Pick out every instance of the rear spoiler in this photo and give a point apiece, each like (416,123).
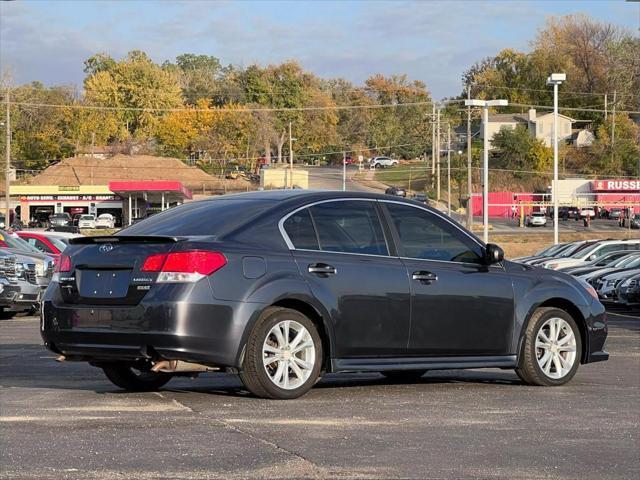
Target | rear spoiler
(123,239)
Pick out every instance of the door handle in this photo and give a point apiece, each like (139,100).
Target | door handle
(425,277)
(322,269)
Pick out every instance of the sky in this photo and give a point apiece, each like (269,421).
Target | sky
(433,41)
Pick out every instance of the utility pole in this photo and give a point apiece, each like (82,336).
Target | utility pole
(290,156)
(433,142)
(7,171)
(438,154)
(605,107)
(613,128)
(469,181)
(344,171)
(449,168)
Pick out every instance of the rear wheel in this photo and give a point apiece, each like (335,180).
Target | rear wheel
(135,378)
(283,356)
(404,375)
(551,350)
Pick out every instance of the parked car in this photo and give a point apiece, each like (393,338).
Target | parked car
(87,221)
(567,212)
(592,252)
(587,212)
(635,221)
(421,197)
(615,213)
(397,191)
(544,253)
(382,162)
(105,220)
(628,292)
(12,289)
(47,244)
(605,261)
(300,283)
(537,219)
(60,220)
(571,249)
(625,263)
(606,285)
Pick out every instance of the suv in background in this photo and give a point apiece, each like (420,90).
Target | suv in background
(537,219)
(382,162)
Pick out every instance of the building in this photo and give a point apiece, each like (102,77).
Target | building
(126,186)
(539,126)
(572,192)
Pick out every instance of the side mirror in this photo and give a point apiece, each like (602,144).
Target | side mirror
(493,254)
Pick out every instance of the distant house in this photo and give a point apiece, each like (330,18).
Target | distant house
(101,152)
(540,127)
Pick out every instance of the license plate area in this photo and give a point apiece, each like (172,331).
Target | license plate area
(103,283)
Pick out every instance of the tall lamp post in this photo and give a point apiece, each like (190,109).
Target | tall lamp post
(485,104)
(555,79)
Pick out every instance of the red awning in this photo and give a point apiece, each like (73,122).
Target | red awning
(150,186)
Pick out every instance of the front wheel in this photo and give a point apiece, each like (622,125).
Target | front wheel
(551,350)
(283,356)
(135,378)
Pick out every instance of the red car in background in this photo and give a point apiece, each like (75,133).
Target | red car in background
(47,245)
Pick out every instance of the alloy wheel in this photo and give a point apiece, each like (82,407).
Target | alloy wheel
(555,348)
(288,354)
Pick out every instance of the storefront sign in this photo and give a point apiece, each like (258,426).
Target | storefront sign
(59,198)
(616,185)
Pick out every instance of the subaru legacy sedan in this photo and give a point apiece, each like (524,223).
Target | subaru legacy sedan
(281,287)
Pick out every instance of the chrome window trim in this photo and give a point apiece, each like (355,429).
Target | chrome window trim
(291,247)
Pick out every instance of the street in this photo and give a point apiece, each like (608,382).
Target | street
(66,421)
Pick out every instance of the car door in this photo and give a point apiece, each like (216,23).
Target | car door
(459,305)
(343,254)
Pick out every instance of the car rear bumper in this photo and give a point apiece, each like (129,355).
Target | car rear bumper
(207,333)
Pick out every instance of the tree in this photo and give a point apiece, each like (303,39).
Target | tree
(516,149)
(138,87)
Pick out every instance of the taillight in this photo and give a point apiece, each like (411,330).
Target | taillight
(64,264)
(154,262)
(188,266)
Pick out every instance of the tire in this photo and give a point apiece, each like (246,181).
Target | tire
(127,377)
(564,350)
(271,367)
(404,375)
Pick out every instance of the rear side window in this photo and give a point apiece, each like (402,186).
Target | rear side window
(209,217)
(350,227)
(299,228)
(425,236)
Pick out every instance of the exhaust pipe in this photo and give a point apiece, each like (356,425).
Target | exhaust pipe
(178,366)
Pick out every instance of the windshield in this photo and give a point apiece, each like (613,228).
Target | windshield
(86,217)
(18,243)
(59,244)
(628,261)
(61,215)
(572,249)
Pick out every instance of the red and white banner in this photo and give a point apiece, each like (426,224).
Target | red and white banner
(616,185)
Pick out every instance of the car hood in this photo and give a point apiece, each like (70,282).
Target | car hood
(25,254)
(621,274)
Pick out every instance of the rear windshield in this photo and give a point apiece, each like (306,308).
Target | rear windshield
(209,217)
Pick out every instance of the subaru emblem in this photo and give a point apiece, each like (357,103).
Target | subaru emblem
(105,248)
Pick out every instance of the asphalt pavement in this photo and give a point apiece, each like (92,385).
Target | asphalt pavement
(66,421)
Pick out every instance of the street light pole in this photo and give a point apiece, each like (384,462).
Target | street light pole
(290,156)
(555,79)
(485,104)
(449,169)
(7,171)
(344,171)
(469,181)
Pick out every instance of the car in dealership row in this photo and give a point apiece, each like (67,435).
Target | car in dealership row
(628,291)
(606,285)
(635,221)
(45,243)
(382,162)
(87,221)
(607,260)
(105,220)
(537,219)
(587,212)
(592,252)
(283,286)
